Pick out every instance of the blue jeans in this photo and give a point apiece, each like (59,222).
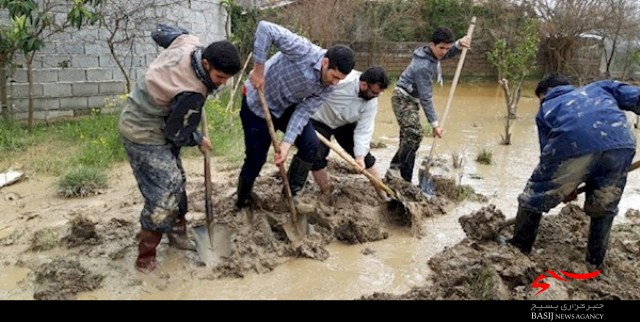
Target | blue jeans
(257,141)
(604,174)
(161,180)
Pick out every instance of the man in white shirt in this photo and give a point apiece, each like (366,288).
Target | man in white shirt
(349,114)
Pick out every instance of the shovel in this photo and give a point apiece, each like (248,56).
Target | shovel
(424,177)
(213,241)
(297,226)
(394,201)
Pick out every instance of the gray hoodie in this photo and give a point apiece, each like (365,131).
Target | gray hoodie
(417,78)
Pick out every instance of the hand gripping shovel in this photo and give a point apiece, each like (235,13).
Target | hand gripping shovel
(213,241)
(296,227)
(424,177)
(394,202)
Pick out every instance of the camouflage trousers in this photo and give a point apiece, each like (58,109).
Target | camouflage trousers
(161,180)
(407,111)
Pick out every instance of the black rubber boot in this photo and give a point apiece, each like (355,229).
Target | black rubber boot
(526,229)
(298,173)
(244,193)
(599,231)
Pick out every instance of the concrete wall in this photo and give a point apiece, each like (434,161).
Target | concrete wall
(75,72)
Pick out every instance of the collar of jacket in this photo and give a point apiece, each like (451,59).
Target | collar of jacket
(196,63)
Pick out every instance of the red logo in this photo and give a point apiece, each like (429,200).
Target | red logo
(538,283)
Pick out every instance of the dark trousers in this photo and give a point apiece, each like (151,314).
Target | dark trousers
(344,136)
(257,140)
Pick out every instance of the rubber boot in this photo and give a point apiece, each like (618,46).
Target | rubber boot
(322,179)
(146,261)
(244,193)
(178,237)
(599,231)
(526,229)
(298,173)
(402,163)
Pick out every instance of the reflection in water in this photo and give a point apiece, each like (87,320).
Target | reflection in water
(475,122)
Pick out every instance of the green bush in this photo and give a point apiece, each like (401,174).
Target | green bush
(82,181)
(484,157)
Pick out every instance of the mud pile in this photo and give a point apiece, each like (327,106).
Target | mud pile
(483,267)
(98,240)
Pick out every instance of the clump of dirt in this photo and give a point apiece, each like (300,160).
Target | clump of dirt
(484,224)
(62,279)
(449,189)
(44,239)
(83,232)
(633,216)
(482,268)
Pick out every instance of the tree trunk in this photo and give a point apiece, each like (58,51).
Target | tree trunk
(4,102)
(30,81)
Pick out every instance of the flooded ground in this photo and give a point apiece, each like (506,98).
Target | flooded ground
(393,261)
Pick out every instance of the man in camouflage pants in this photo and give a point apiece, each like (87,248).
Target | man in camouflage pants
(415,87)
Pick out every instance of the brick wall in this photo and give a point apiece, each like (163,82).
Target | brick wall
(395,57)
(75,72)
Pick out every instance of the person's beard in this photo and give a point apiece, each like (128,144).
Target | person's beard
(363,95)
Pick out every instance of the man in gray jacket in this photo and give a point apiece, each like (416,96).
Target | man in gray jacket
(349,114)
(414,88)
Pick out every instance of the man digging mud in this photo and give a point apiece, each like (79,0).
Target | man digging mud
(349,113)
(296,81)
(584,138)
(161,116)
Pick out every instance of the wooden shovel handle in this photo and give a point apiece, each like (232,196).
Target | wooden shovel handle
(208,206)
(374,180)
(454,83)
(276,147)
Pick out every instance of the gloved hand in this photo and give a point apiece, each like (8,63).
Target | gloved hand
(164,35)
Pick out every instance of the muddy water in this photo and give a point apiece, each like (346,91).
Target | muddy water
(394,265)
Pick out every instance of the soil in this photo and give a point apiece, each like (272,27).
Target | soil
(70,246)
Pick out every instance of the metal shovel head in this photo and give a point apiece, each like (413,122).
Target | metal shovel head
(425,180)
(215,246)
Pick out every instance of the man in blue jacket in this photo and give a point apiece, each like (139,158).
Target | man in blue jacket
(584,138)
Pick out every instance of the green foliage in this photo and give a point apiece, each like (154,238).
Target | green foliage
(484,157)
(99,141)
(389,19)
(44,239)
(454,14)
(225,131)
(243,26)
(514,57)
(82,181)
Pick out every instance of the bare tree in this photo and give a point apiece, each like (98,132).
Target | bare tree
(126,22)
(563,23)
(512,33)
(620,31)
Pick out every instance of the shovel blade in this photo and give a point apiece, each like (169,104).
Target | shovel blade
(425,181)
(213,243)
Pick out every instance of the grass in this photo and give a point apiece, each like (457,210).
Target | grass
(82,181)
(83,149)
(484,157)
